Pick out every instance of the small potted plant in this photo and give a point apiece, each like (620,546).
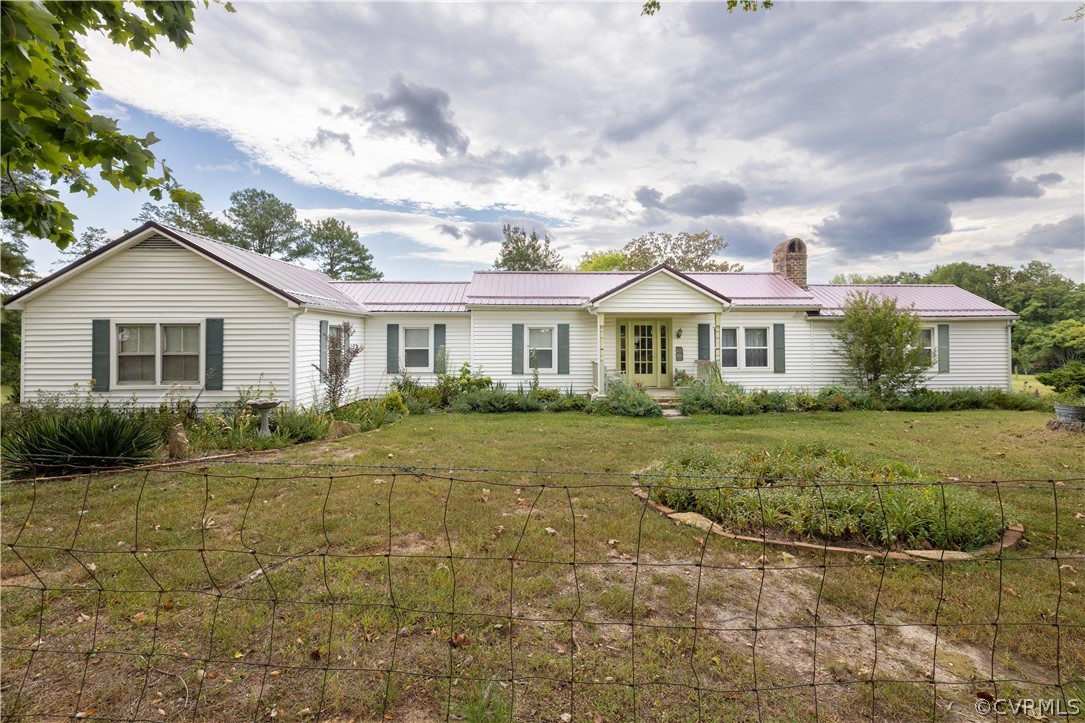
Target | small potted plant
(1070,406)
(1069,383)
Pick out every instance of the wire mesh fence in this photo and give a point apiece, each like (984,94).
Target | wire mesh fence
(247,590)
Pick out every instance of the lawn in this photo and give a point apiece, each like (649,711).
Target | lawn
(133,595)
(1028,383)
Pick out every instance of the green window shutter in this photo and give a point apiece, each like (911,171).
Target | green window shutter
(704,341)
(324,345)
(943,348)
(778,361)
(99,359)
(563,348)
(393,348)
(440,361)
(517,348)
(213,354)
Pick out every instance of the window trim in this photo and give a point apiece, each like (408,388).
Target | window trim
(553,328)
(741,347)
(404,348)
(159,352)
(736,347)
(746,348)
(932,348)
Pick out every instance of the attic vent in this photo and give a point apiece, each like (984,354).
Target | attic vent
(156,243)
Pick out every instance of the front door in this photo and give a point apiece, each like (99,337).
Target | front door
(647,358)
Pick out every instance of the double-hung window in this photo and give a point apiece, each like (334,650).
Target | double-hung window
(158,353)
(926,343)
(729,348)
(540,347)
(416,348)
(757,348)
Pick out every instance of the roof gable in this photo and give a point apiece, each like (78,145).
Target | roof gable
(665,270)
(294,284)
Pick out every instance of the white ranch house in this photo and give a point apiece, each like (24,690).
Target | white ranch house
(161,312)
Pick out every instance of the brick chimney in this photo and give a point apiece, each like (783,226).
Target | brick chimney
(789,259)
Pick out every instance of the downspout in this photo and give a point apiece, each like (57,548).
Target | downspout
(294,355)
(1009,355)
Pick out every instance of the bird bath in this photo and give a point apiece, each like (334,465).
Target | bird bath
(264,406)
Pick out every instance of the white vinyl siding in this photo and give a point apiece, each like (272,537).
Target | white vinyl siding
(310,390)
(979,354)
(658,293)
(493,345)
(375,357)
(796,346)
(148,286)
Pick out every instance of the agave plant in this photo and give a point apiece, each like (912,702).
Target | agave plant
(62,444)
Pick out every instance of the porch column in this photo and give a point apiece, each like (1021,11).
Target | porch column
(600,372)
(717,355)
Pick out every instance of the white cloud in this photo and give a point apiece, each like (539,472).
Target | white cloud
(562,111)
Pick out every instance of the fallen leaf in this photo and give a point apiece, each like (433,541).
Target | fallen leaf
(212,676)
(458,640)
(238,654)
(1010,591)
(92,566)
(612,542)
(139,617)
(485,495)
(86,713)
(551,531)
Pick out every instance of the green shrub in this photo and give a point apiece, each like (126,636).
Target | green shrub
(626,400)
(299,425)
(65,443)
(570,402)
(821,492)
(495,401)
(1068,379)
(546,396)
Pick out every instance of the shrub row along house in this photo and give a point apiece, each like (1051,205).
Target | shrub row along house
(160,312)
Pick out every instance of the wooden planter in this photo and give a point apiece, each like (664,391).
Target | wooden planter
(1070,412)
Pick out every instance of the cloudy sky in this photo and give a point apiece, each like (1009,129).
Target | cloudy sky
(890,136)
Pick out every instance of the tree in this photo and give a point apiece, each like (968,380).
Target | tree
(612,260)
(879,345)
(651,7)
(341,354)
(16,271)
(47,127)
(989,282)
(903,277)
(339,254)
(684,252)
(264,224)
(186,216)
(91,240)
(520,252)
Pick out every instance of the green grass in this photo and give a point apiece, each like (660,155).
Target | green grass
(5,392)
(1027,383)
(518,526)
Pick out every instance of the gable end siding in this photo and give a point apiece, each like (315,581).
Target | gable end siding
(167,285)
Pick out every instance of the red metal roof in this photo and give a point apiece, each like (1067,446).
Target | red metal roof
(931,300)
(407,296)
(542,288)
(575,288)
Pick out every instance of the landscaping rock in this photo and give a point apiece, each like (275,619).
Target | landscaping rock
(178,443)
(339,428)
(694,519)
(943,555)
(1074,425)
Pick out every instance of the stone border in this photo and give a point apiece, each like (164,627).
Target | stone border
(1010,537)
